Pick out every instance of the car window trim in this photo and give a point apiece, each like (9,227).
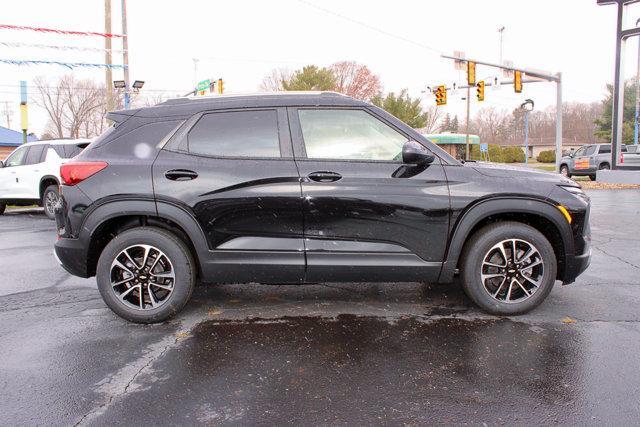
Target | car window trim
(24,157)
(300,145)
(179,141)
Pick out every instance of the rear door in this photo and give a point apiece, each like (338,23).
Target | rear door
(365,219)
(33,170)
(233,171)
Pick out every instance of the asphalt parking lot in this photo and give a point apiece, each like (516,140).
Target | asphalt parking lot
(322,354)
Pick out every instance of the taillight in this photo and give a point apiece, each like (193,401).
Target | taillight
(621,158)
(75,172)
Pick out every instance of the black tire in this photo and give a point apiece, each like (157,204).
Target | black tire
(50,198)
(592,177)
(480,245)
(180,258)
(564,170)
(3,206)
(604,166)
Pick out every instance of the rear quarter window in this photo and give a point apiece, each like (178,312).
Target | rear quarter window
(140,142)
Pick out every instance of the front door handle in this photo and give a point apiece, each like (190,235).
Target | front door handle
(324,176)
(180,175)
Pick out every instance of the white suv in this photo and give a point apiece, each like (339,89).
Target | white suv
(31,173)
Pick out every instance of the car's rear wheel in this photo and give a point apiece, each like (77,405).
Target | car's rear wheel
(592,177)
(508,268)
(564,171)
(146,275)
(50,199)
(3,206)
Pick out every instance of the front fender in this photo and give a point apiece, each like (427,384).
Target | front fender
(477,212)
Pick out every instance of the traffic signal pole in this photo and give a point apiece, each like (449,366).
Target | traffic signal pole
(468,142)
(540,76)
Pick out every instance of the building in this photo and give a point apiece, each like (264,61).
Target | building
(452,143)
(10,139)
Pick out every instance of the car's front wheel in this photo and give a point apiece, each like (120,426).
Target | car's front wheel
(508,268)
(146,274)
(3,206)
(50,198)
(564,171)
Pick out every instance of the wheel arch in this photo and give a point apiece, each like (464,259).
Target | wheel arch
(109,219)
(540,214)
(46,181)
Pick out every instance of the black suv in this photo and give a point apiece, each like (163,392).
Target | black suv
(304,188)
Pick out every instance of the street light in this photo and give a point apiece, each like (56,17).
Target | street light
(527,107)
(138,84)
(119,84)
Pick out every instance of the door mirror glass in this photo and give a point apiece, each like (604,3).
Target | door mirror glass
(414,153)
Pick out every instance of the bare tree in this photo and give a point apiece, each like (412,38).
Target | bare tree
(275,80)
(76,108)
(433,116)
(356,80)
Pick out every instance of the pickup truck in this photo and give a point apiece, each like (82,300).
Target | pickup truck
(632,155)
(588,159)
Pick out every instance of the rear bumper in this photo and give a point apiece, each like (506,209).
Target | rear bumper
(72,256)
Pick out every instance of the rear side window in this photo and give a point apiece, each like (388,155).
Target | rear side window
(35,154)
(236,134)
(67,151)
(604,149)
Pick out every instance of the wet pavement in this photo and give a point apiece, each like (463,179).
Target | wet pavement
(402,353)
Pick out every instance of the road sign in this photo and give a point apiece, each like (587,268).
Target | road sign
(204,85)
(484,147)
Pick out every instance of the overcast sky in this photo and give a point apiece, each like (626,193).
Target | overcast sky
(242,40)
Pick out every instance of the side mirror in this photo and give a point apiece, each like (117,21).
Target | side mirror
(414,153)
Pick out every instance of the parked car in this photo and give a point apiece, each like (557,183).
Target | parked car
(30,175)
(587,160)
(305,188)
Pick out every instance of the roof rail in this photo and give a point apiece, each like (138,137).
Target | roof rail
(210,97)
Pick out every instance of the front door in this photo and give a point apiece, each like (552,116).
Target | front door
(11,184)
(364,219)
(234,172)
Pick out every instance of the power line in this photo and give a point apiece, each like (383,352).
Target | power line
(372,28)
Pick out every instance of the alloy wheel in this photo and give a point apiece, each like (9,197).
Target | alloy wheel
(50,201)
(142,277)
(512,271)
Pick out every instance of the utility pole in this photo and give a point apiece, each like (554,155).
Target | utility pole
(501,31)
(7,113)
(108,76)
(636,116)
(125,55)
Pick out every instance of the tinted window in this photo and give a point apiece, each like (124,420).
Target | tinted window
(72,150)
(605,149)
(34,155)
(236,134)
(17,157)
(623,148)
(348,134)
(590,150)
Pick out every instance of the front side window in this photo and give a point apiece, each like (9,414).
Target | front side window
(580,152)
(17,157)
(349,135)
(236,134)
(590,150)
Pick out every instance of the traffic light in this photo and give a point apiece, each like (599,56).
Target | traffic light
(517,81)
(471,73)
(480,90)
(220,86)
(441,95)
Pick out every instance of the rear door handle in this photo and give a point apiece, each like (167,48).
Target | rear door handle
(180,175)
(324,176)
